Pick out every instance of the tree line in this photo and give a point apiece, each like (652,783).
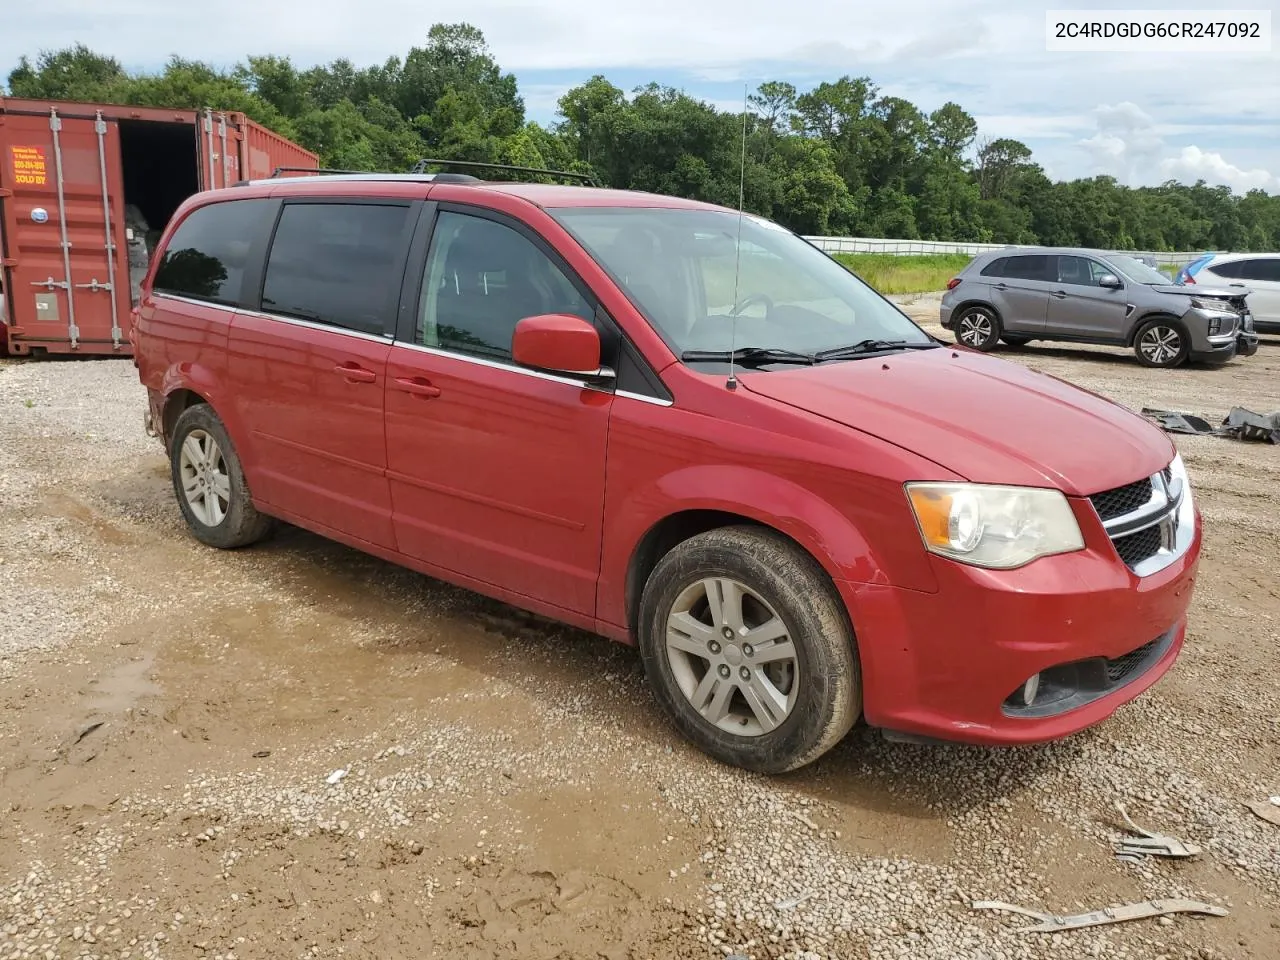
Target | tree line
(839,159)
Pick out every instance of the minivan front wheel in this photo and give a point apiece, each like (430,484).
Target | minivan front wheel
(748,648)
(1161,343)
(978,328)
(209,482)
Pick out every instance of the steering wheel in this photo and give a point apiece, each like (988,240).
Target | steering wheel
(748,300)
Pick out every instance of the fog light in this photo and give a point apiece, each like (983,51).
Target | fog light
(1215,326)
(1030,689)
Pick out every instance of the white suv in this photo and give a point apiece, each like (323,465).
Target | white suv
(1259,272)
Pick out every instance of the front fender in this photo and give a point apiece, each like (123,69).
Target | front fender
(850,542)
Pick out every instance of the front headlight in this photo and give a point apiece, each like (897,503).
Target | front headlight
(994,526)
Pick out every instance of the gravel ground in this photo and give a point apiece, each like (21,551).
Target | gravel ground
(297,750)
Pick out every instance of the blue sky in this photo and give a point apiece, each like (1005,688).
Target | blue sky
(1142,117)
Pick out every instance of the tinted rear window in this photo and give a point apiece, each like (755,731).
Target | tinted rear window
(1229,269)
(1031,267)
(207,256)
(338,264)
(1261,268)
(995,268)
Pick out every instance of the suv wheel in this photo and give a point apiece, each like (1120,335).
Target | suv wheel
(1161,343)
(748,648)
(209,483)
(979,328)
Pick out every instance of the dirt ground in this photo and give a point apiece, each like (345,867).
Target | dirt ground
(299,751)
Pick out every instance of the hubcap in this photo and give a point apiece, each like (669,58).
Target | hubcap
(205,481)
(732,657)
(975,329)
(1161,344)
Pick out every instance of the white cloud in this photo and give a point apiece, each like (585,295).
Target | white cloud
(1129,144)
(1193,164)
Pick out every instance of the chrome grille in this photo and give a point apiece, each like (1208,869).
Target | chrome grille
(1116,503)
(1145,521)
(1139,546)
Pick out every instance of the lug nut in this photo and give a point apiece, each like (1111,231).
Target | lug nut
(713,647)
(748,650)
(725,671)
(744,673)
(728,633)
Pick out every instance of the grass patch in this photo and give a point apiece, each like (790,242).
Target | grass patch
(924,273)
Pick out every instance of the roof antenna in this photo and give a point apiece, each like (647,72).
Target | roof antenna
(732,382)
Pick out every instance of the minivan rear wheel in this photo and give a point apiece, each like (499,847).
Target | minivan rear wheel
(1161,343)
(748,649)
(210,484)
(979,328)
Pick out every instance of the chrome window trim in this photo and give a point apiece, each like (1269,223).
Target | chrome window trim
(510,367)
(323,327)
(643,398)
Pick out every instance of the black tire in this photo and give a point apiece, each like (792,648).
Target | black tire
(1014,341)
(1153,348)
(238,524)
(978,328)
(825,688)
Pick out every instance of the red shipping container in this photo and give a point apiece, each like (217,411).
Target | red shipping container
(85,191)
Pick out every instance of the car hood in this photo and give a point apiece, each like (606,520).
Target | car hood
(1225,293)
(986,419)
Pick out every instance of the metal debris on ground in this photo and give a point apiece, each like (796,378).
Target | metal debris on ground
(1268,810)
(1052,923)
(1149,844)
(793,902)
(1240,424)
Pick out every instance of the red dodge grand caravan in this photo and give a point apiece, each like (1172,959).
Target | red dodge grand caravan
(678,427)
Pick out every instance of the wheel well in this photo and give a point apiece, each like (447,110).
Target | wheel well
(177,402)
(1167,317)
(957,310)
(671,531)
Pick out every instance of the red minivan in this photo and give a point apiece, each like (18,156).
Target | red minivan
(677,426)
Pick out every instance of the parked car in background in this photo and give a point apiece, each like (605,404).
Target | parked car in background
(1259,273)
(1092,296)
(678,427)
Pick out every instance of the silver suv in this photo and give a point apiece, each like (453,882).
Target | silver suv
(1093,296)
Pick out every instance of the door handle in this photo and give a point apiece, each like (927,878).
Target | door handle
(1001,286)
(1060,294)
(354,373)
(418,387)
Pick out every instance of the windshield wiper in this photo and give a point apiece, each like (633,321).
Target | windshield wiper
(871,346)
(749,355)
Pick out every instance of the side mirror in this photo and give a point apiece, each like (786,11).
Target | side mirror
(559,343)
(1110,280)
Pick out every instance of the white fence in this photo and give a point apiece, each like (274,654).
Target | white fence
(906,248)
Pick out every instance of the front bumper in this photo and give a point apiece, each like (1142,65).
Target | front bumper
(948,665)
(1215,349)
(1246,344)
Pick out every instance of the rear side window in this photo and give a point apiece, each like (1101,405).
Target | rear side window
(1230,269)
(996,267)
(1031,267)
(207,255)
(339,264)
(1259,269)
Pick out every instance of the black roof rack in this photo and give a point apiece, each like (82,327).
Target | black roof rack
(421,167)
(311,170)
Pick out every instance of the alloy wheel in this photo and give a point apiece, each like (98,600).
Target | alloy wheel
(732,657)
(975,329)
(1160,344)
(205,480)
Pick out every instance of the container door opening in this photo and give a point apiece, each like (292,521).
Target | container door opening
(160,167)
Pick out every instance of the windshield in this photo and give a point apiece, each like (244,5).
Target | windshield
(678,266)
(1137,271)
